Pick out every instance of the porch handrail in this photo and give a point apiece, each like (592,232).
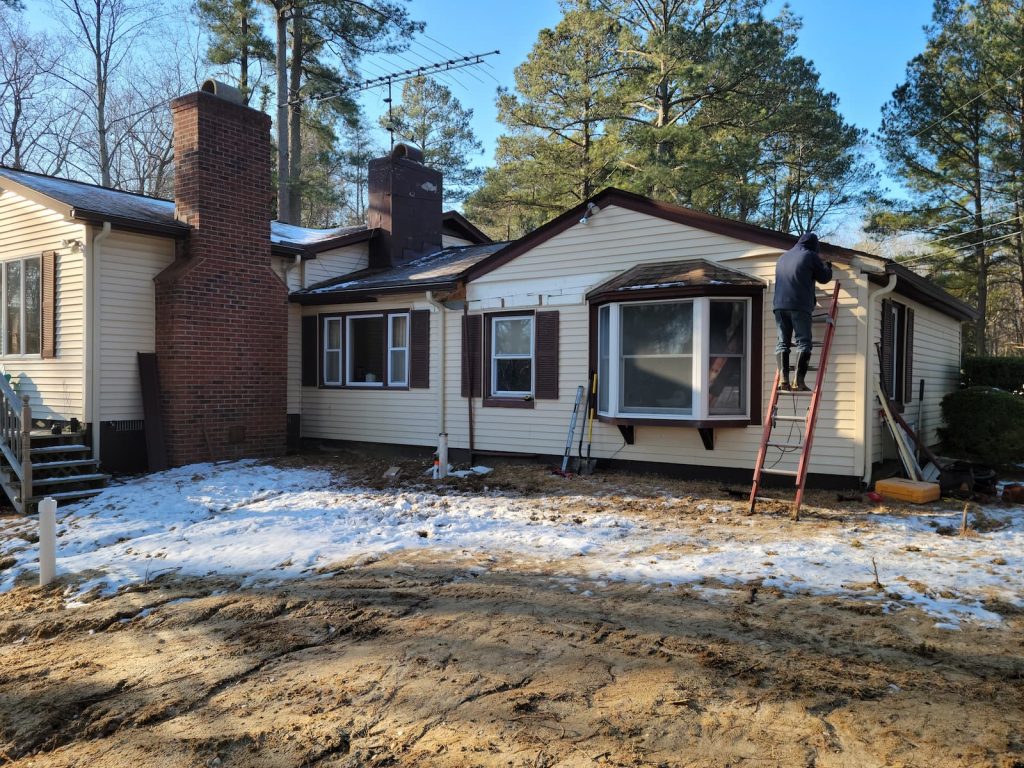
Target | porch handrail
(16,436)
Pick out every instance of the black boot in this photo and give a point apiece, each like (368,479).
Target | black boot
(782,361)
(801,372)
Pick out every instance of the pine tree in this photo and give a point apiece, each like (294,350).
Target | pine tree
(236,38)
(435,121)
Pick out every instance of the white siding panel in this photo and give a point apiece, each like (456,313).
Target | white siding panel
(127,313)
(335,263)
(28,229)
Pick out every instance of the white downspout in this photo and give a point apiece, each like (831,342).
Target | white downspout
(869,395)
(91,352)
(441,381)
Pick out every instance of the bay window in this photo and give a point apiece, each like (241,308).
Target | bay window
(686,359)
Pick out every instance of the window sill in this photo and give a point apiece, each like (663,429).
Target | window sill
(736,422)
(365,387)
(508,402)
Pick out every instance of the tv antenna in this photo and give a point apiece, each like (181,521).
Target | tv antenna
(458,62)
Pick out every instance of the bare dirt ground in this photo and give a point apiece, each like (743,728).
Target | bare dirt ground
(425,659)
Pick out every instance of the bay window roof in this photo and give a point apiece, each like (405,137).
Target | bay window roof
(675,278)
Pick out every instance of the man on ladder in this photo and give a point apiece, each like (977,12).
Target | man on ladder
(795,275)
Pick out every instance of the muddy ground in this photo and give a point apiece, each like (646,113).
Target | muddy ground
(429,659)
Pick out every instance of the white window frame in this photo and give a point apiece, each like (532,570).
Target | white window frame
(3,321)
(701,357)
(348,352)
(532,357)
(393,382)
(339,350)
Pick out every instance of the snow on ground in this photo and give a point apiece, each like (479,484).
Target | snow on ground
(265,523)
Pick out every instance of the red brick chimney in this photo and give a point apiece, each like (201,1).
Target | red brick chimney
(221,312)
(405,204)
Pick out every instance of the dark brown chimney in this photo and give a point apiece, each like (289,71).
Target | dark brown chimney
(222,313)
(405,204)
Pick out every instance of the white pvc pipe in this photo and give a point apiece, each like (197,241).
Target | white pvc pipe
(441,378)
(47,541)
(442,455)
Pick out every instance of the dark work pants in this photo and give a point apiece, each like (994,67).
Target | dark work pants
(792,322)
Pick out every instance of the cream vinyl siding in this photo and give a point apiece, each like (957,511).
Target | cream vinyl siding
(937,339)
(334,263)
(405,417)
(28,229)
(126,296)
(447,241)
(558,273)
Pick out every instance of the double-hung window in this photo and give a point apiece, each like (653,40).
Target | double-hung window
(366,350)
(22,317)
(682,359)
(512,356)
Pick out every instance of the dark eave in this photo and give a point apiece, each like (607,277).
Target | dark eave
(458,225)
(923,290)
(134,225)
(362,295)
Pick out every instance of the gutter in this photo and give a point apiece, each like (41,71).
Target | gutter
(869,394)
(91,355)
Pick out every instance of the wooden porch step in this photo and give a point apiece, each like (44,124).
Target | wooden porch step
(89,478)
(65,495)
(63,448)
(63,464)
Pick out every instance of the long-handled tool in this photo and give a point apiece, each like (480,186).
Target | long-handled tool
(572,430)
(587,467)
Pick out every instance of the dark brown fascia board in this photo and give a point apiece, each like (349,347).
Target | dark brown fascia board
(132,225)
(913,286)
(601,296)
(634,202)
(459,222)
(286,249)
(352,238)
(363,295)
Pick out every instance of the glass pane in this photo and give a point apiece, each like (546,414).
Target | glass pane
(513,375)
(33,315)
(366,350)
(513,337)
(399,331)
(657,329)
(397,368)
(728,327)
(332,368)
(14,307)
(334,334)
(727,388)
(657,384)
(604,351)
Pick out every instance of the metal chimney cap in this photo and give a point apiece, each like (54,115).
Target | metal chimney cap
(222,91)
(408,151)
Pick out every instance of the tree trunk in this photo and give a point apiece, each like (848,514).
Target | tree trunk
(243,58)
(283,203)
(295,120)
(101,104)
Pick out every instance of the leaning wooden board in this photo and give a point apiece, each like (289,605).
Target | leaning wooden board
(914,491)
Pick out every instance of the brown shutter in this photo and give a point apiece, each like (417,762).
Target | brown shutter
(546,355)
(48,305)
(310,350)
(908,357)
(419,349)
(471,355)
(888,347)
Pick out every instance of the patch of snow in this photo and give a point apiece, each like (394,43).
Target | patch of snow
(264,524)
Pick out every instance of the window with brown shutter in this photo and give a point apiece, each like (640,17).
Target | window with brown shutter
(48,305)
(419,354)
(471,355)
(888,338)
(897,351)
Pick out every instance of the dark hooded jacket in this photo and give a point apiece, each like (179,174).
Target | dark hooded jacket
(796,272)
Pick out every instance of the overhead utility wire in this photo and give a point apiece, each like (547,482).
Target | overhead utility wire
(972,231)
(923,258)
(968,216)
(965,104)
(470,60)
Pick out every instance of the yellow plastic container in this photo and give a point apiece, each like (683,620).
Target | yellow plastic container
(914,491)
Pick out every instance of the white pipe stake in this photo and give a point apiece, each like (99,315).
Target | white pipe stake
(442,455)
(47,541)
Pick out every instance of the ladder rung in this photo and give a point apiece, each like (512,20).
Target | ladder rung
(784,472)
(789,418)
(785,445)
(796,392)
